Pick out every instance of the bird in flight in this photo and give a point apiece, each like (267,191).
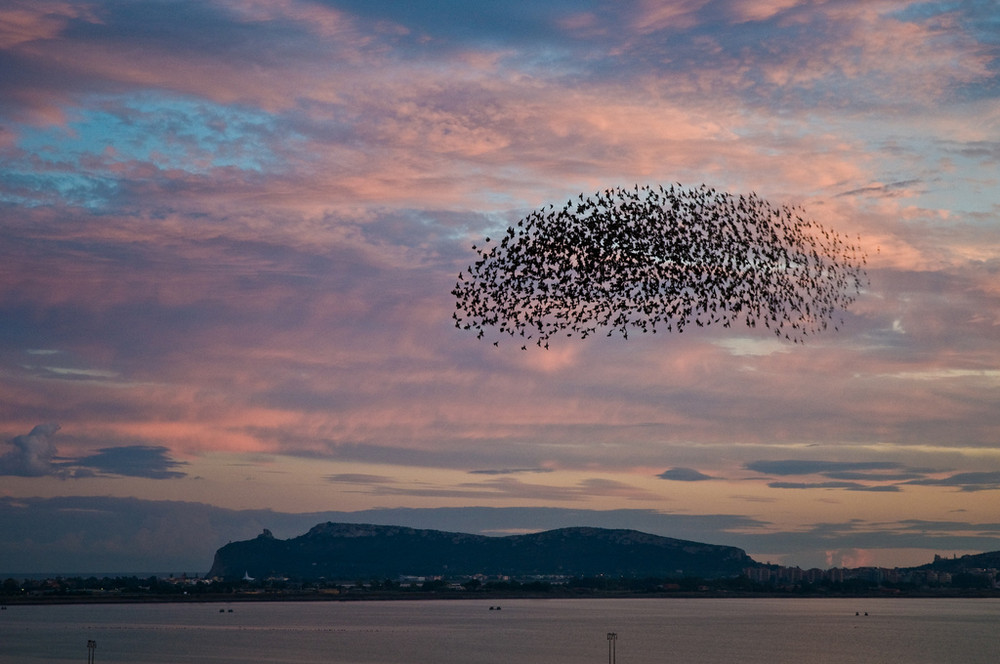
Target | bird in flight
(652,258)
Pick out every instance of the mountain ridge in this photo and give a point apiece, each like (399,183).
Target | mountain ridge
(334,550)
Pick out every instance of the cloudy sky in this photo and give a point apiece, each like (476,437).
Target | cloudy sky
(229,230)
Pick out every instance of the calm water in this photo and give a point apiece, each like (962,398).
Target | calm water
(692,631)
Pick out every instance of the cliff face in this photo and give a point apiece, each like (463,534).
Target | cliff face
(343,551)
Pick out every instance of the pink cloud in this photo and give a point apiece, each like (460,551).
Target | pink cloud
(919,61)
(25,21)
(654,16)
(760,10)
(850,558)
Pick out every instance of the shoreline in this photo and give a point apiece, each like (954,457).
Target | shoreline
(242,598)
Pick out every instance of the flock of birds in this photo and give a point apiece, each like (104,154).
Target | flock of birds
(647,259)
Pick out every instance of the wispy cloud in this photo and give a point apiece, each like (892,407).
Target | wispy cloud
(850,486)
(878,476)
(891,189)
(972,481)
(810,467)
(509,471)
(358,478)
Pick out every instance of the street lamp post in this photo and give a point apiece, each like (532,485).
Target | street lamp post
(612,654)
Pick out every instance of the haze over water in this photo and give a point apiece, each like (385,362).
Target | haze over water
(692,631)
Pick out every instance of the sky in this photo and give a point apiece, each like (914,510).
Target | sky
(229,231)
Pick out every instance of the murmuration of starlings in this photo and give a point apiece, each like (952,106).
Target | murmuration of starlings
(654,259)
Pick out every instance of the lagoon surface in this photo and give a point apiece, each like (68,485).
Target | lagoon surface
(750,631)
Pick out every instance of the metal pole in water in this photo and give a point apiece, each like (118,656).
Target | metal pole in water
(612,647)
(91,647)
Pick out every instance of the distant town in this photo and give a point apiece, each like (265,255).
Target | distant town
(883,579)
(767,580)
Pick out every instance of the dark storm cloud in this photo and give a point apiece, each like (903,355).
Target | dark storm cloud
(684,475)
(148,461)
(35,455)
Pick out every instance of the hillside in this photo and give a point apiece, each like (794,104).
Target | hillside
(967,563)
(361,551)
